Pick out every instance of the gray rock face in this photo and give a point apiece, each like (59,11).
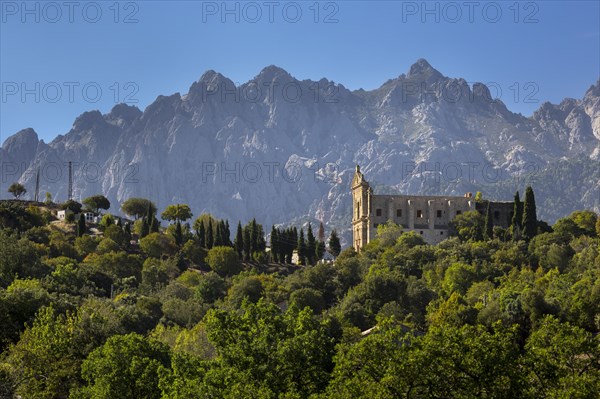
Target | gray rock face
(280,149)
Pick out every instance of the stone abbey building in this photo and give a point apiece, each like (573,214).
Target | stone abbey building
(426,215)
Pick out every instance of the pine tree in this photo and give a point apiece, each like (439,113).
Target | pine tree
(310,246)
(301,248)
(274,244)
(517,217)
(334,244)
(238,243)
(81,225)
(178,234)
(529,215)
(201,235)
(209,235)
(488,232)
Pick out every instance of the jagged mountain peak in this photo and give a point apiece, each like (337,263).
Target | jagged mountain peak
(124,111)
(22,137)
(593,91)
(271,73)
(422,69)
(88,120)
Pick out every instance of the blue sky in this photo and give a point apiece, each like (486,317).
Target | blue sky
(133,51)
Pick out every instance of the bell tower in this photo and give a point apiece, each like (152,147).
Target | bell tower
(361,210)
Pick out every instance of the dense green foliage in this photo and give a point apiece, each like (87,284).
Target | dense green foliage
(480,315)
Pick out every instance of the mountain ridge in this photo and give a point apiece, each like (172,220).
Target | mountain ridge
(203,147)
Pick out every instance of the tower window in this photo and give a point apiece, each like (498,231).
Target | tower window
(439,213)
(419,213)
(375,225)
(441,233)
(398,213)
(421,232)
(378,212)
(458,213)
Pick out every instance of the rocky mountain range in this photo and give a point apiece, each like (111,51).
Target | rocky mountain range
(281,149)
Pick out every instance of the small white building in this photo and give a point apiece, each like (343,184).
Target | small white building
(89,216)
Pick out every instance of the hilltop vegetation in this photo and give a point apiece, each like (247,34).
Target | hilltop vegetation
(198,311)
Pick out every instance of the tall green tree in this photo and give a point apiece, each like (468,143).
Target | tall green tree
(81,225)
(517,217)
(226,233)
(178,234)
(274,244)
(301,248)
(488,229)
(238,242)
(201,233)
(310,246)
(145,229)
(334,244)
(529,215)
(210,239)
(247,243)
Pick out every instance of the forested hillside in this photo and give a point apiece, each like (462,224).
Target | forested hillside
(202,310)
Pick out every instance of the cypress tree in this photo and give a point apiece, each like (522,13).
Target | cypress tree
(301,248)
(288,246)
(321,233)
(149,214)
(253,236)
(226,234)
(154,225)
(81,225)
(319,250)
(247,243)
(120,223)
(127,228)
(517,217)
(261,243)
(334,244)
(274,244)
(145,230)
(201,235)
(209,235)
(310,246)
(218,236)
(238,243)
(529,215)
(488,231)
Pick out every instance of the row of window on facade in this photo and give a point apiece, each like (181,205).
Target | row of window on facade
(378,212)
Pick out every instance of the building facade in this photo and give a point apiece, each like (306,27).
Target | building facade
(429,216)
